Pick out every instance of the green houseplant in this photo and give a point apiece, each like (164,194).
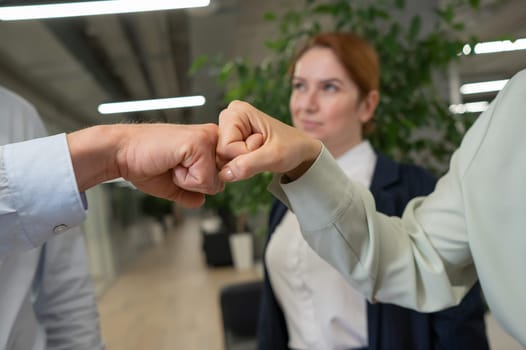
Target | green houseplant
(413,121)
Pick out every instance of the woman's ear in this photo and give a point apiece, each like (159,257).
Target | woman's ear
(368,106)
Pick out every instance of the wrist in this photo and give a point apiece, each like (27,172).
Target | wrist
(94,154)
(310,154)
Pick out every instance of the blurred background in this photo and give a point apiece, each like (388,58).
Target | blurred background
(159,269)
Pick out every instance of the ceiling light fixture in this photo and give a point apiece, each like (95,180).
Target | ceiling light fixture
(471,107)
(151,105)
(485,86)
(92,8)
(495,46)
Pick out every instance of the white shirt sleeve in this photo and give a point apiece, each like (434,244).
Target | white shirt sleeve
(387,259)
(38,193)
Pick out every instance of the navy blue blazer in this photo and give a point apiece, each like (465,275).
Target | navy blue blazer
(389,326)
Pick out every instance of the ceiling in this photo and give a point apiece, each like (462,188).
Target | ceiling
(66,67)
(497,20)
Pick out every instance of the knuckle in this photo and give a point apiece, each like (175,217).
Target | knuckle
(223,115)
(233,104)
(238,105)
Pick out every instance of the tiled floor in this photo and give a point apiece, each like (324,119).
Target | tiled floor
(168,299)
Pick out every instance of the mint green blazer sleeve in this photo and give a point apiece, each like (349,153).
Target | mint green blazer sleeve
(472,225)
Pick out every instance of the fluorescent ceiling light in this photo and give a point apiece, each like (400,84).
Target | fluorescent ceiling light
(91,8)
(472,107)
(485,86)
(495,46)
(151,105)
(500,46)
(466,50)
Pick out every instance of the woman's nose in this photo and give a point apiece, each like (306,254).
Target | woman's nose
(310,101)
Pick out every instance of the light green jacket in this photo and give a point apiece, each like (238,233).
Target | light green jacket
(475,221)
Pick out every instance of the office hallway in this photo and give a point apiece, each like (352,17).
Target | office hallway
(168,298)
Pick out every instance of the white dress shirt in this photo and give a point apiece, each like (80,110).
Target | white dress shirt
(38,192)
(47,299)
(322,311)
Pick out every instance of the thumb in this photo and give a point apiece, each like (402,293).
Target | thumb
(246,165)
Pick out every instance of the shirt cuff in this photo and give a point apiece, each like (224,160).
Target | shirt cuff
(42,188)
(319,195)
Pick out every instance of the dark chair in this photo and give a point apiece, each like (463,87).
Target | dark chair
(239,310)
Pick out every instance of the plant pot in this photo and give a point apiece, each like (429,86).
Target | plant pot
(242,250)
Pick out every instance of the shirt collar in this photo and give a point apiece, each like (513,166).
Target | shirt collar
(358,162)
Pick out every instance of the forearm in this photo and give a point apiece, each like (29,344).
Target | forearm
(39,195)
(308,155)
(94,153)
(176,162)
(385,258)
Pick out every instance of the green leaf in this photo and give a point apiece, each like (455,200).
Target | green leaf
(414,28)
(225,71)
(459,26)
(242,70)
(447,14)
(198,63)
(325,9)
(400,4)
(269,16)
(474,4)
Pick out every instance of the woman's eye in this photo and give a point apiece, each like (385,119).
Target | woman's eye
(330,87)
(298,86)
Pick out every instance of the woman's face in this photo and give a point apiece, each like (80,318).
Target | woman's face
(325,102)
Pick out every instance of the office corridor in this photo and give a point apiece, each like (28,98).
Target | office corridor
(168,298)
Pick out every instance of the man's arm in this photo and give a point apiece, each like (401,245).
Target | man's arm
(176,162)
(40,179)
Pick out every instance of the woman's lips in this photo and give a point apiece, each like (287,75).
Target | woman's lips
(308,125)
